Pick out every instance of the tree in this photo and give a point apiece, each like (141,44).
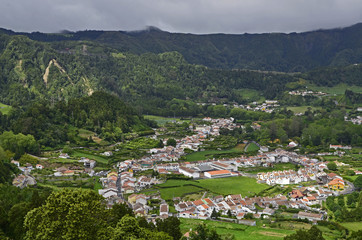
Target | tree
(26,158)
(171,142)
(118,211)
(332,166)
(202,232)
(229,213)
(128,228)
(358,182)
(350,173)
(355,235)
(312,234)
(171,226)
(214,214)
(67,149)
(72,214)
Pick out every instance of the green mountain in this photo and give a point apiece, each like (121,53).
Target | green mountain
(63,66)
(294,52)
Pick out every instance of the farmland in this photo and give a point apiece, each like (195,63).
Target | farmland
(163,120)
(208,154)
(302,109)
(238,230)
(337,89)
(276,167)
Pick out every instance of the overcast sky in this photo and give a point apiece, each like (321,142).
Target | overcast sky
(193,16)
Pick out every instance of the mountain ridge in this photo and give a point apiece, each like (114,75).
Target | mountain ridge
(284,52)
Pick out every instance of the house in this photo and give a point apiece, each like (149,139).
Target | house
(89,163)
(164,209)
(310,216)
(64,155)
(108,192)
(336,184)
(112,174)
(22,181)
(141,199)
(268,211)
(240,215)
(107,154)
(68,173)
(39,166)
(15,162)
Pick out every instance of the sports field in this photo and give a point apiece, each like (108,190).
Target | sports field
(220,186)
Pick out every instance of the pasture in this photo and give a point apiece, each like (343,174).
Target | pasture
(209,154)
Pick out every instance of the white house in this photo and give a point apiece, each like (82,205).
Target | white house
(108,192)
(39,166)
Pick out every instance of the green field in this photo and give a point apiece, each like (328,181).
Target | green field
(4,109)
(220,186)
(251,95)
(338,89)
(353,226)
(238,230)
(252,147)
(163,120)
(90,156)
(301,109)
(209,154)
(233,185)
(83,133)
(276,167)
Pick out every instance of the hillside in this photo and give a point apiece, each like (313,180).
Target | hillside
(162,84)
(294,52)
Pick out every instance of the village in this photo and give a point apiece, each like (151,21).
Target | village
(126,183)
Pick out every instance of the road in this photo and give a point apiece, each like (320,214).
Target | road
(348,190)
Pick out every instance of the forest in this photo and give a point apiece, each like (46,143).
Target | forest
(154,83)
(293,52)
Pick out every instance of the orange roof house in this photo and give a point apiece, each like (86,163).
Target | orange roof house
(336,184)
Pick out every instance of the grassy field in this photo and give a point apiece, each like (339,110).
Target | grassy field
(252,147)
(302,109)
(353,226)
(251,95)
(90,156)
(238,230)
(4,109)
(233,185)
(338,89)
(277,167)
(83,133)
(203,155)
(220,186)
(163,120)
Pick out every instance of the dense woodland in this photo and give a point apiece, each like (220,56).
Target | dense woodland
(162,84)
(294,52)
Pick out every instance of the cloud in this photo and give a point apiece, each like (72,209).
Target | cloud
(194,16)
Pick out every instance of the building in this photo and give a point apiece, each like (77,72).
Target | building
(218,174)
(310,216)
(164,210)
(336,184)
(189,172)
